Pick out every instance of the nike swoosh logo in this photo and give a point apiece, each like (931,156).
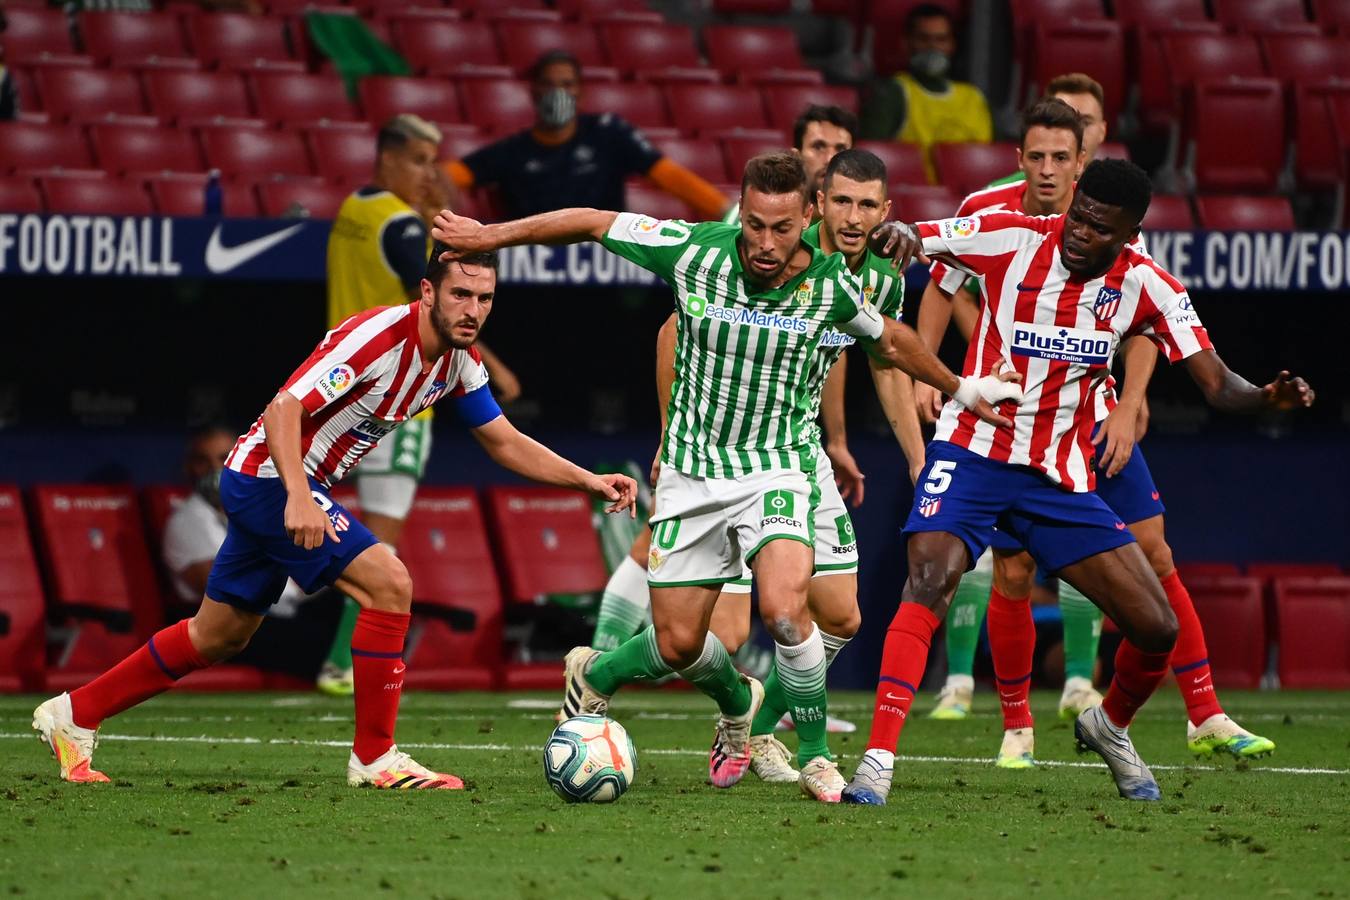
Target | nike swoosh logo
(890,696)
(1155,495)
(221,259)
(1200,679)
(1026,287)
(1120,526)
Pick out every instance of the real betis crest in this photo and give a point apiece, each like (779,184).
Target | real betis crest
(804,291)
(868,293)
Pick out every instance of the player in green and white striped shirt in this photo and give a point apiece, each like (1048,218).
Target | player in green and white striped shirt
(738,469)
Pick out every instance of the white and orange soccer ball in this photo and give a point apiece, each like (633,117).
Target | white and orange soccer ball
(589,759)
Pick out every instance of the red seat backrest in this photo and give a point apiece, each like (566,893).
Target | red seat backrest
(319,199)
(968,167)
(1230,155)
(446,549)
(1096,48)
(924,203)
(239,37)
(1220,213)
(545,541)
(904,162)
(1232,613)
(1314,623)
(703,157)
(1169,212)
(785,102)
(21,650)
(644,197)
(497,106)
(132,37)
(123,148)
(430,45)
(740,48)
(252,154)
(639,47)
(386,96)
(99,195)
(292,100)
(30,34)
(19,194)
(636,102)
(523,42)
(198,95)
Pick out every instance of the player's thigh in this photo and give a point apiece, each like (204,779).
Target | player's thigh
(680,617)
(731,618)
(1121,582)
(782,570)
(376,579)
(833,600)
(220,630)
(1014,572)
(692,539)
(773,515)
(642,546)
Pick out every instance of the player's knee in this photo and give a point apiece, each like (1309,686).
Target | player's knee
(1159,555)
(1156,631)
(217,644)
(1014,576)
(931,582)
(733,637)
(842,624)
(680,648)
(393,592)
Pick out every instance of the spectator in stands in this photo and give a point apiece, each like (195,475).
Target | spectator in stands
(9,95)
(575,160)
(924,105)
(818,134)
(1085,95)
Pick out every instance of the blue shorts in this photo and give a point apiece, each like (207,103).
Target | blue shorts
(258,556)
(964,494)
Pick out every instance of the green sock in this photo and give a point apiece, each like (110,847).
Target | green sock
(775,702)
(1082,631)
(634,659)
(713,674)
(340,654)
(963,621)
(624,607)
(802,672)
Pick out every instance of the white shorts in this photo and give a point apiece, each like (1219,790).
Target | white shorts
(387,476)
(705,530)
(836,546)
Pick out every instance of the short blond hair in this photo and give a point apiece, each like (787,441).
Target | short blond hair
(406,127)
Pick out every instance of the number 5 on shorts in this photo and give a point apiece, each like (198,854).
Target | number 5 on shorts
(939,477)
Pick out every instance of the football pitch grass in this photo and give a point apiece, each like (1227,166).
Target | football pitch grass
(218,795)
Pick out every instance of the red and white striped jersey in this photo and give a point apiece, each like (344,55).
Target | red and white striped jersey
(1001,197)
(1057,329)
(366,378)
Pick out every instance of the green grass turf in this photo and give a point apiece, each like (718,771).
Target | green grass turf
(238,809)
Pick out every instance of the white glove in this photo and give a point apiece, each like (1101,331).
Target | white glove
(988,388)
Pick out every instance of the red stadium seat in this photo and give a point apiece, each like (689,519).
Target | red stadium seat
(968,167)
(126,38)
(319,199)
(1036,12)
(442,46)
(641,196)
(445,547)
(1155,13)
(646,48)
(384,9)
(158,502)
(752,7)
(1272,570)
(591,10)
(1228,154)
(1191,57)
(137,149)
(298,100)
(1318,162)
(1255,15)
(1231,610)
(1169,212)
(1189,570)
(1096,48)
(904,162)
(27,146)
(191,97)
(1112,150)
(19,194)
(743,48)
(457,144)
(545,542)
(498,106)
(785,102)
(708,109)
(1314,626)
(35,35)
(739,150)
(1295,59)
(253,155)
(347,157)
(1333,15)
(101,196)
(386,96)
(184,195)
(1245,213)
(524,42)
(239,38)
(1157,104)
(480,8)
(923,203)
(703,157)
(86,95)
(764,77)
(637,102)
(22,616)
(677,75)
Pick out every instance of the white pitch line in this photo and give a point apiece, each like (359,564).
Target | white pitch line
(497,748)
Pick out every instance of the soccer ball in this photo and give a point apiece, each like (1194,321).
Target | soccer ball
(589,759)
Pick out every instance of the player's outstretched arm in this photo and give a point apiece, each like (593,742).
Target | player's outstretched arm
(305,522)
(1226,390)
(1120,429)
(527,457)
(935,313)
(896,391)
(563,226)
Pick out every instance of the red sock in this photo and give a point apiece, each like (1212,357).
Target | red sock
(377,669)
(1012,640)
(1190,657)
(151,670)
(1138,675)
(902,663)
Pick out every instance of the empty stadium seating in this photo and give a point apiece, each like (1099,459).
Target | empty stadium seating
(1231,610)
(712,108)
(969,167)
(238,40)
(904,162)
(1321,127)
(524,42)
(498,106)
(736,48)
(739,150)
(1169,212)
(36,35)
(643,197)
(923,203)
(85,95)
(251,154)
(700,156)
(1249,15)
(643,48)
(316,198)
(188,98)
(1094,47)
(385,96)
(183,194)
(98,194)
(785,102)
(1226,152)
(1223,213)
(19,194)
(294,101)
(26,146)
(135,38)
(640,103)
(123,148)
(22,615)
(443,47)
(1314,623)
(345,156)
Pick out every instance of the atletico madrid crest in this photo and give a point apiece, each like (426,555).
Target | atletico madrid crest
(1106,305)
(929,506)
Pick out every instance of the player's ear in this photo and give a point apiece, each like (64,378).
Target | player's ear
(885,210)
(428,293)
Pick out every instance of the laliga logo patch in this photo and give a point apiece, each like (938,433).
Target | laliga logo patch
(644,225)
(960,228)
(929,506)
(336,381)
(1106,305)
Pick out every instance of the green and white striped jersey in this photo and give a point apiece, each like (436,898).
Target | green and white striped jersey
(883,287)
(741,401)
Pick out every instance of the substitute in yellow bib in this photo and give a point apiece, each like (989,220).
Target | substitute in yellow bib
(924,105)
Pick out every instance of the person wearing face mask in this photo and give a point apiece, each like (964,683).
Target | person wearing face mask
(925,105)
(570,159)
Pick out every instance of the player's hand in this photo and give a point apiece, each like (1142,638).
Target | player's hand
(1141,421)
(900,242)
(1115,440)
(1287,392)
(928,400)
(847,476)
(306,522)
(619,488)
(980,394)
(465,235)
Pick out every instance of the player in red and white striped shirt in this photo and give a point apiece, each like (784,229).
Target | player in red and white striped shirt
(1061,294)
(371,374)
